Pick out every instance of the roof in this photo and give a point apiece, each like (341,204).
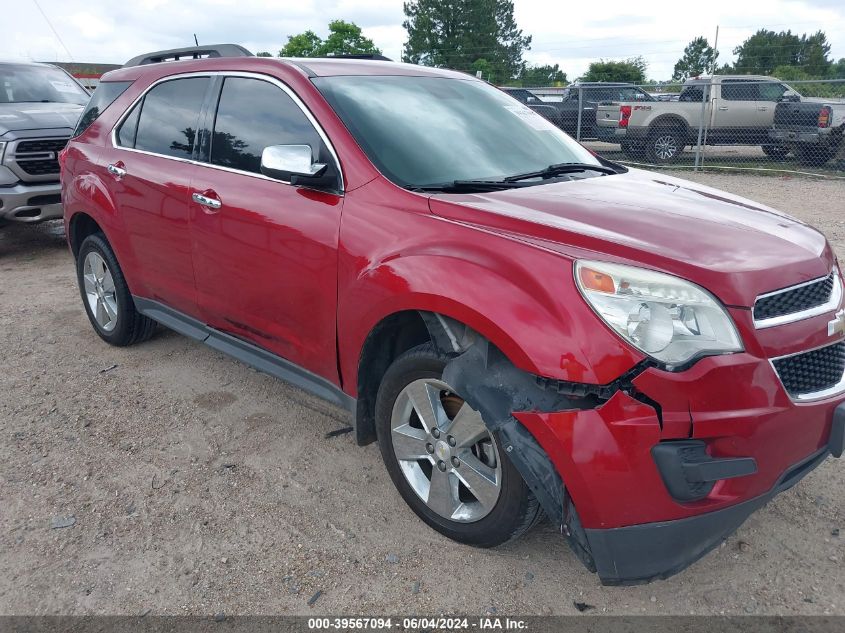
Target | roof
(311,66)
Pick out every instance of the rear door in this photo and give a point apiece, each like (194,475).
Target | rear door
(770,94)
(266,251)
(736,118)
(150,172)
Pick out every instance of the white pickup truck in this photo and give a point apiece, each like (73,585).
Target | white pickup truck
(728,109)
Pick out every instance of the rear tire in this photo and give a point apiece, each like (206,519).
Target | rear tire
(491,515)
(814,156)
(665,146)
(777,152)
(106,297)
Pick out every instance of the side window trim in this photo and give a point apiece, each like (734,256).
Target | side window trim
(212,97)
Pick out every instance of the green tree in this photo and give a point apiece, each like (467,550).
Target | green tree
(699,57)
(546,75)
(813,57)
(457,33)
(630,70)
(305,44)
(264,54)
(345,38)
(766,50)
(837,70)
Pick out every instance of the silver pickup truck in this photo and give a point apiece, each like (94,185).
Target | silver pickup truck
(39,108)
(814,130)
(729,110)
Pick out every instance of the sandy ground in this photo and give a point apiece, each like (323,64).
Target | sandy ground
(192,484)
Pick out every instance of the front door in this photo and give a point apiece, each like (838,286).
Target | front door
(265,251)
(150,176)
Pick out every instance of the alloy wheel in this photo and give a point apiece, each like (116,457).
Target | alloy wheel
(445,451)
(665,147)
(100,291)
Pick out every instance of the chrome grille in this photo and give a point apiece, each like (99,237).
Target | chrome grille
(798,302)
(811,374)
(36,159)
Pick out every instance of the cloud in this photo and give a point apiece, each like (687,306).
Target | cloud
(571,34)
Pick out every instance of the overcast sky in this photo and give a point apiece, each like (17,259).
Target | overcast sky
(571,34)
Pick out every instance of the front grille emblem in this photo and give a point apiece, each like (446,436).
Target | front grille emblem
(837,326)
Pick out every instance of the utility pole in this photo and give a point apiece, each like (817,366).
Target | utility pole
(715,51)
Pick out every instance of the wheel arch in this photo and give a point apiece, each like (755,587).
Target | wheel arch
(80,226)
(670,121)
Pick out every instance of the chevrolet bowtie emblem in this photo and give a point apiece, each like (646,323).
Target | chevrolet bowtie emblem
(837,326)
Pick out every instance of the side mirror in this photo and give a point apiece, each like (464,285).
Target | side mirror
(791,97)
(287,162)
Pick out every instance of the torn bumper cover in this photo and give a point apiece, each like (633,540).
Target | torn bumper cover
(626,460)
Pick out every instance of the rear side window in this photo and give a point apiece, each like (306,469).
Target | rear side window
(129,128)
(166,120)
(771,91)
(254,114)
(103,97)
(740,91)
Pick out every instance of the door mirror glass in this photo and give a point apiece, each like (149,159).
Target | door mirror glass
(791,96)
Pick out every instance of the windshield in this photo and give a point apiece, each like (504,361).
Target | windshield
(425,131)
(22,83)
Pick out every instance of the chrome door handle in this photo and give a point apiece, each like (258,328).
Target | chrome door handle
(723,108)
(116,171)
(205,201)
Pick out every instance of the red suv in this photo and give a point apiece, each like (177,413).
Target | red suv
(525,328)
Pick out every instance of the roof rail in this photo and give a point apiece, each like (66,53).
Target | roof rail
(374,56)
(191,52)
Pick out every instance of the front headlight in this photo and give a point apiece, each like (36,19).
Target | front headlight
(669,319)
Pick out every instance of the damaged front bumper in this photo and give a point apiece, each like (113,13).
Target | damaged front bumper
(641,553)
(647,474)
(671,464)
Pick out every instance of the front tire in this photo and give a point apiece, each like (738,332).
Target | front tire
(106,297)
(443,460)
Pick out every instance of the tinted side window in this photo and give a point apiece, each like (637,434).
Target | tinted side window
(129,127)
(771,91)
(254,114)
(103,97)
(168,120)
(740,91)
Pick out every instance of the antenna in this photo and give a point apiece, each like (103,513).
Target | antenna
(52,28)
(196,41)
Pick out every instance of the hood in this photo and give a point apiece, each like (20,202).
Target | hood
(38,116)
(734,247)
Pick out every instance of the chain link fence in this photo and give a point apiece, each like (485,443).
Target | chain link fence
(727,123)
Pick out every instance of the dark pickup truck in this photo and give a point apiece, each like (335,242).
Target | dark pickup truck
(589,95)
(562,109)
(813,129)
(548,111)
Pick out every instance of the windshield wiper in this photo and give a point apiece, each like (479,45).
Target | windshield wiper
(469,186)
(561,168)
